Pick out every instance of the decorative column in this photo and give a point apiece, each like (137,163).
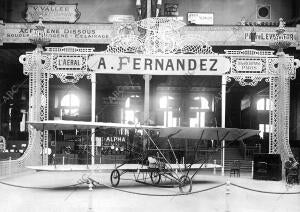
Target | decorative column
(93,117)
(280,100)
(39,82)
(223,120)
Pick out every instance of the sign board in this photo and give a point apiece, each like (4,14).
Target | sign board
(67,13)
(60,33)
(249,66)
(69,62)
(268,36)
(108,141)
(171,9)
(111,145)
(201,18)
(102,33)
(121,18)
(158,64)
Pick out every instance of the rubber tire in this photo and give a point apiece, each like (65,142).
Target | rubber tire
(115,175)
(153,176)
(185,181)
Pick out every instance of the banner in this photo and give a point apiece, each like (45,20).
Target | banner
(102,34)
(60,33)
(159,64)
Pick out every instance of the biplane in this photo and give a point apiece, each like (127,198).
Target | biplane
(149,165)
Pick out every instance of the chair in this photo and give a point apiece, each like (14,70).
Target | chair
(235,168)
(292,175)
(291,171)
(156,163)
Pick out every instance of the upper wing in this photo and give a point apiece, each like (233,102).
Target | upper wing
(82,125)
(209,133)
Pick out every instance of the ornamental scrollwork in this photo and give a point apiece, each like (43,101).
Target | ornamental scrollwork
(69,77)
(29,62)
(193,44)
(126,44)
(247,80)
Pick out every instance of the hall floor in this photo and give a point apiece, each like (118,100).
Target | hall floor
(60,192)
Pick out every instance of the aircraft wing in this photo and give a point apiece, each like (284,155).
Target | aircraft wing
(82,125)
(209,133)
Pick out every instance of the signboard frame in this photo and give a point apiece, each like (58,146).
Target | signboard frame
(171,64)
(51,12)
(206,19)
(59,33)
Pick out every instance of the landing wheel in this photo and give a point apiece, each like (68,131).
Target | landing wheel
(185,184)
(115,178)
(155,177)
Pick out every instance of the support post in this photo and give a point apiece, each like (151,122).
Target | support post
(147,79)
(252,169)
(227,193)
(39,38)
(215,163)
(279,142)
(93,119)
(1,119)
(90,206)
(54,154)
(224,82)
(284,111)
(9,166)
(37,115)
(149,8)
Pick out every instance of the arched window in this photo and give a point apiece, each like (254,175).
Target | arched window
(131,110)
(70,104)
(166,104)
(263,104)
(264,128)
(199,106)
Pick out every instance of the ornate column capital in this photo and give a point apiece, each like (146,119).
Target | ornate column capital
(146,76)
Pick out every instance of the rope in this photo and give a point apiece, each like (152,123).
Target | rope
(159,186)
(260,191)
(147,194)
(159,195)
